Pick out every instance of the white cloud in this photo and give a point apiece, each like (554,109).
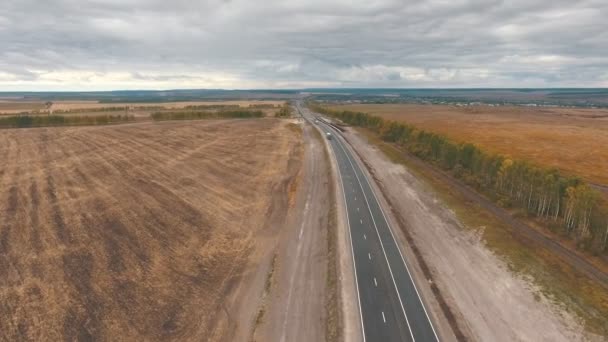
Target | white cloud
(151,44)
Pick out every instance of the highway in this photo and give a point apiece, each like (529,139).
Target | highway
(389,303)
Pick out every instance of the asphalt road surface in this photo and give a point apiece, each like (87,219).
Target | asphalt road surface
(390,306)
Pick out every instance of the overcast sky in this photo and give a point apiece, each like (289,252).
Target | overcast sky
(162,44)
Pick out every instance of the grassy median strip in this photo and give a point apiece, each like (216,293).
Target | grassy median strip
(333,327)
(557,280)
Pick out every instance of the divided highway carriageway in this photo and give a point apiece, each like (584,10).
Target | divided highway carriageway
(389,303)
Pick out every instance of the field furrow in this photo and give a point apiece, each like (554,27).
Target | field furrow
(132,232)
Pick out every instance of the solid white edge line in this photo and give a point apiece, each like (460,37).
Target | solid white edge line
(400,253)
(351,244)
(381,244)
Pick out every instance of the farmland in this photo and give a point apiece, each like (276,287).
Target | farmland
(511,182)
(16,106)
(570,139)
(137,109)
(137,231)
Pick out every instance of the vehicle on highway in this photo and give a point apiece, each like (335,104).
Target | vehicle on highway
(328,135)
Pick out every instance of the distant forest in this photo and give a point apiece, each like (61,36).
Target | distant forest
(579,97)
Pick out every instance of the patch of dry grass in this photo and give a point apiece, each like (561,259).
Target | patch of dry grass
(13,107)
(333,329)
(294,186)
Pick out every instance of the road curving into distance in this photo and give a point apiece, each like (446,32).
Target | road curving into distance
(390,306)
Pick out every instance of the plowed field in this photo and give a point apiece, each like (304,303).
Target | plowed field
(133,232)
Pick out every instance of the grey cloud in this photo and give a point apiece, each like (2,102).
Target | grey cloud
(279,43)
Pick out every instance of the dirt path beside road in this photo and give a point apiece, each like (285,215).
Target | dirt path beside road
(298,293)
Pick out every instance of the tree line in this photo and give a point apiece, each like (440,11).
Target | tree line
(88,110)
(562,203)
(24,121)
(197,115)
(213,106)
(284,112)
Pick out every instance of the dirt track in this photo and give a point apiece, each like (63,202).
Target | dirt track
(133,232)
(296,309)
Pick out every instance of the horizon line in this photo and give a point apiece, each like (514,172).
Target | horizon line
(299,89)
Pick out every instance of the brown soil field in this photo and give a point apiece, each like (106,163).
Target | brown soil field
(570,139)
(134,232)
(13,107)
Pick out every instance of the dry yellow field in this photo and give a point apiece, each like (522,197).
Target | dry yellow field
(70,105)
(572,140)
(10,107)
(141,111)
(14,107)
(135,232)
